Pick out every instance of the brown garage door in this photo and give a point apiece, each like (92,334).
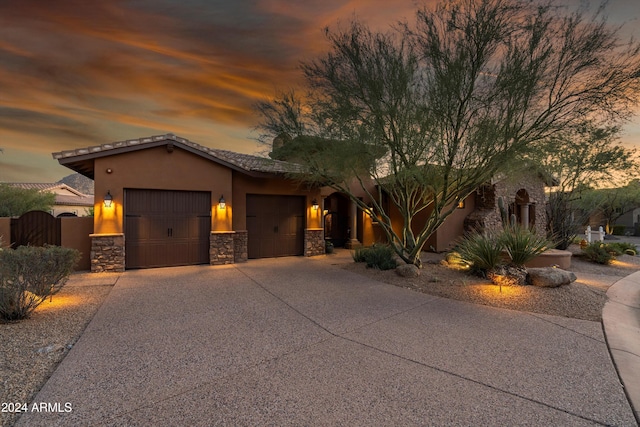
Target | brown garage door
(275,225)
(166,228)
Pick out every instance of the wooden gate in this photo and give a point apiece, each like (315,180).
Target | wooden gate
(35,228)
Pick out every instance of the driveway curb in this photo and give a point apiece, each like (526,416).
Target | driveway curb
(621,324)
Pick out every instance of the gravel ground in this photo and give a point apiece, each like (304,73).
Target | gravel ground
(31,349)
(582,299)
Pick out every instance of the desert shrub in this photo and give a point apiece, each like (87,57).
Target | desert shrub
(482,252)
(522,245)
(381,257)
(618,230)
(598,253)
(619,248)
(29,274)
(359,254)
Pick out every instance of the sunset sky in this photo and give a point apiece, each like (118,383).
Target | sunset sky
(75,73)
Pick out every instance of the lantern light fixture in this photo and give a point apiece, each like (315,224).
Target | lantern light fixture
(108,199)
(314,204)
(221,203)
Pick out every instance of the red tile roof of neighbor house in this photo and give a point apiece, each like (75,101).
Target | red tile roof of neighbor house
(76,198)
(81,159)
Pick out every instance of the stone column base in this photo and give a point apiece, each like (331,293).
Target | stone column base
(107,252)
(240,246)
(314,242)
(221,249)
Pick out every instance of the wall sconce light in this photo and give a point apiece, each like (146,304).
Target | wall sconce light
(461,204)
(221,203)
(314,204)
(108,199)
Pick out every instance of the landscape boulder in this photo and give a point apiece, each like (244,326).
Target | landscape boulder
(550,277)
(407,270)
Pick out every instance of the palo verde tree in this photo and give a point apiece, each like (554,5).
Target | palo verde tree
(432,110)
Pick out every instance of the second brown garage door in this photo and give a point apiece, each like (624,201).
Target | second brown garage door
(166,228)
(275,225)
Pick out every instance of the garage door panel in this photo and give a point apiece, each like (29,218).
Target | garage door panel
(275,225)
(166,228)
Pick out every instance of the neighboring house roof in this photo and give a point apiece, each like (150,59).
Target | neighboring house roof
(84,200)
(81,159)
(65,195)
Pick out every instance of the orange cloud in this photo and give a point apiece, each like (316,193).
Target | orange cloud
(76,73)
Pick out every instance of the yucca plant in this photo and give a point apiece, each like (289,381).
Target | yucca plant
(481,251)
(522,245)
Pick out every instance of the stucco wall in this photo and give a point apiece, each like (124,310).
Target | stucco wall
(162,169)
(453,227)
(443,238)
(75,234)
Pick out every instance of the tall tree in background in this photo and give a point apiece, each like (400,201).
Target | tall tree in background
(433,110)
(611,203)
(580,159)
(16,201)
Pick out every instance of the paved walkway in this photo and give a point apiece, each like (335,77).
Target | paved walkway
(297,341)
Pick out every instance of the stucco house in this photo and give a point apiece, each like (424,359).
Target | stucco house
(523,195)
(166,201)
(522,191)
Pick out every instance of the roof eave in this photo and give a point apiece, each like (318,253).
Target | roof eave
(80,162)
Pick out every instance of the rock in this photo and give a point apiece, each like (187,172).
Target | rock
(407,270)
(508,276)
(549,277)
(50,349)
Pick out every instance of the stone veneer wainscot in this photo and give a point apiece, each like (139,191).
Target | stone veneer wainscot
(241,246)
(221,250)
(314,242)
(107,252)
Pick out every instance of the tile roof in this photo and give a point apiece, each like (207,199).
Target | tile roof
(77,198)
(245,162)
(62,199)
(42,186)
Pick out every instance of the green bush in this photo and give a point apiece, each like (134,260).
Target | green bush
(30,274)
(522,245)
(619,248)
(381,257)
(618,230)
(360,254)
(598,253)
(482,252)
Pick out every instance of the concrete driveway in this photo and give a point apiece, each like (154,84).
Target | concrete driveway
(299,341)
